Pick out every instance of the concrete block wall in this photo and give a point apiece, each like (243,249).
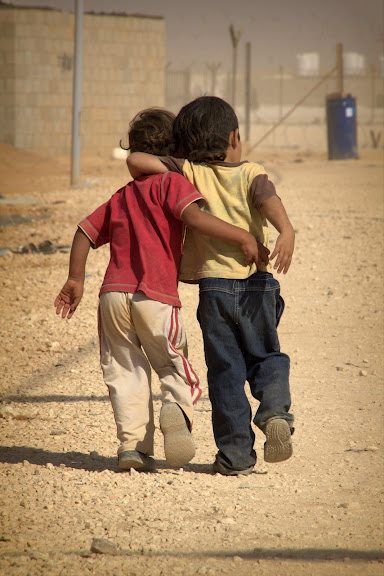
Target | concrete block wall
(123,72)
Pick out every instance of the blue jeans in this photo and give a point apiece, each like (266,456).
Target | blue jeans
(238,319)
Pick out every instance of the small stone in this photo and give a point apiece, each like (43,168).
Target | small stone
(237,559)
(25,463)
(41,555)
(339,368)
(260,471)
(363,373)
(52,345)
(229,521)
(102,546)
(49,465)
(57,432)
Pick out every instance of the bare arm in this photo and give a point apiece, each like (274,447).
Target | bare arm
(140,163)
(71,293)
(272,208)
(209,225)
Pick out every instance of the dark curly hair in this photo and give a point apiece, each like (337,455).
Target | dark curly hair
(202,127)
(151,131)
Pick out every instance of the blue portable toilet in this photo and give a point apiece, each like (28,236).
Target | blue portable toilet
(341,127)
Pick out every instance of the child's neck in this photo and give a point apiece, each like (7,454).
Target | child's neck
(232,155)
(233,158)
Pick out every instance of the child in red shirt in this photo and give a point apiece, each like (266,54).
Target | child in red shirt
(139,321)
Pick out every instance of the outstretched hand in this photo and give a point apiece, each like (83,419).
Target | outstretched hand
(69,298)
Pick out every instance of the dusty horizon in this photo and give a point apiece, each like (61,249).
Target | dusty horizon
(277,30)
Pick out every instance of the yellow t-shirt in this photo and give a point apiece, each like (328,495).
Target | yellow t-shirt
(233,193)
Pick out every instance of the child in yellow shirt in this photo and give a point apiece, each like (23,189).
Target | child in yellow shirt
(239,306)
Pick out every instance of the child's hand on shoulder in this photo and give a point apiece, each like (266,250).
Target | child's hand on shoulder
(283,250)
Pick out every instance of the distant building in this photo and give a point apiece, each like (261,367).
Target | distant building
(354,64)
(308,64)
(123,72)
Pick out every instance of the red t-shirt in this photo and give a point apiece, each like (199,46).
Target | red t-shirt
(142,223)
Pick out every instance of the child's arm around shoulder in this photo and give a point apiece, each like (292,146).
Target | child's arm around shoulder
(209,225)
(141,163)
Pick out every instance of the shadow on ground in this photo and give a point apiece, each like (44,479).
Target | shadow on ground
(27,399)
(21,399)
(294,554)
(77,460)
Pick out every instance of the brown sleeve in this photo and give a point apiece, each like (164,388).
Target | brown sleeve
(260,189)
(173,164)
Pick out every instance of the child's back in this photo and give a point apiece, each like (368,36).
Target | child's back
(232,194)
(142,224)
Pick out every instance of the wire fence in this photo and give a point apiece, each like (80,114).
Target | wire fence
(272,94)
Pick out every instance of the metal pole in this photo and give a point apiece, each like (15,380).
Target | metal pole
(213,81)
(281,79)
(247,111)
(235,37)
(234,74)
(373,90)
(340,68)
(187,85)
(76,93)
(213,68)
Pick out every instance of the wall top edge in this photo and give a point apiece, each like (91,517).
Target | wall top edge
(11,6)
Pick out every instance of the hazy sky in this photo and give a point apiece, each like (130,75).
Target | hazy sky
(197,30)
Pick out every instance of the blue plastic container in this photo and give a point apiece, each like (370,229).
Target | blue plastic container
(341,127)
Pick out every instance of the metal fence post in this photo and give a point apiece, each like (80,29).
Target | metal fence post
(235,37)
(76,93)
(247,103)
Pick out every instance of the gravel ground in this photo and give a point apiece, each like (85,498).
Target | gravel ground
(65,510)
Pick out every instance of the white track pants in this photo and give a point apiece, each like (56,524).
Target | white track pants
(135,334)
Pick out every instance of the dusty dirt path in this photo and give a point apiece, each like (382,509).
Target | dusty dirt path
(320,513)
